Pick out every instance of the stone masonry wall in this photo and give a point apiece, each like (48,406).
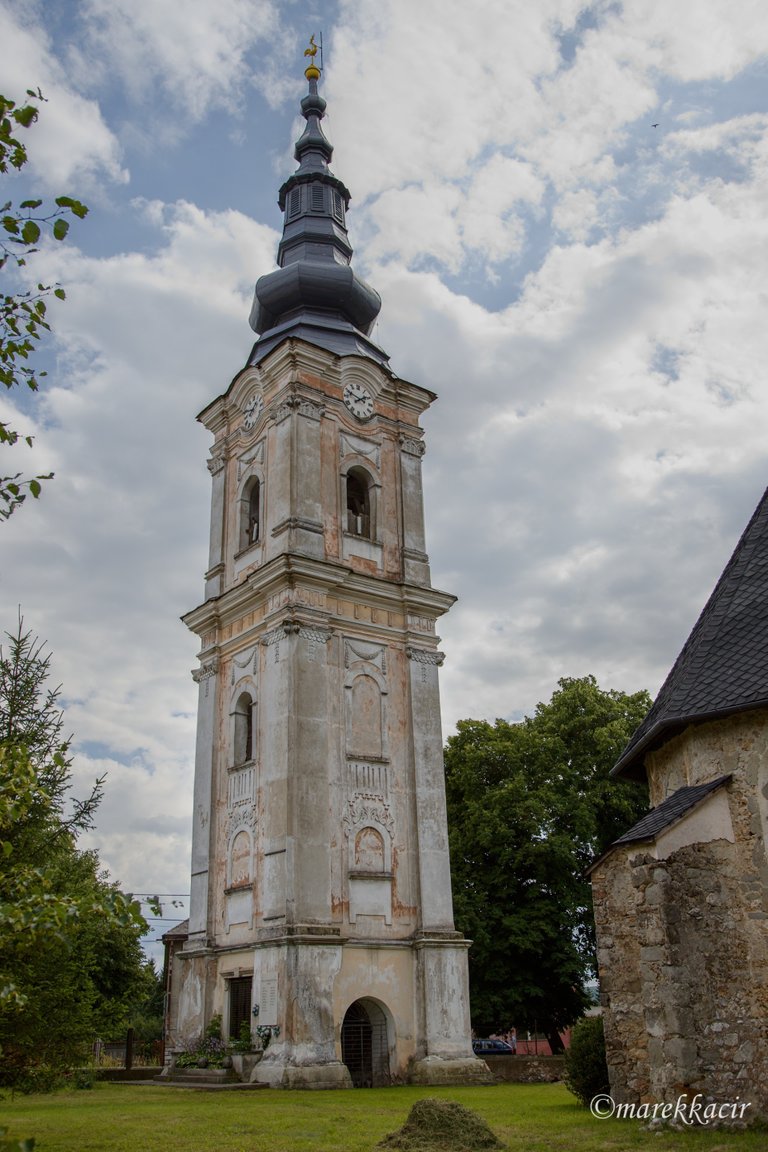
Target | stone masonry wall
(622,931)
(683,937)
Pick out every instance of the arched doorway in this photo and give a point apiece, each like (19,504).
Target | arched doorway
(365,1045)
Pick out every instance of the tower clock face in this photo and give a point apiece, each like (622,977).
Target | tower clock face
(252,410)
(359,401)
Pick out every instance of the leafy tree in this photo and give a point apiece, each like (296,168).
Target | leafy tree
(23,312)
(70,957)
(147,1018)
(530,806)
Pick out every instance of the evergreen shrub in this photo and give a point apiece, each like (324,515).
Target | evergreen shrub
(586,1070)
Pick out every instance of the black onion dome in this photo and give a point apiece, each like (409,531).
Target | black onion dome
(314,294)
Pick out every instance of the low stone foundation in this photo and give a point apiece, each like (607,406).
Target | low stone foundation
(527,1069)
(135,1073)
(435,1072)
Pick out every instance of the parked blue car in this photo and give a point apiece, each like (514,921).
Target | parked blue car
(492,1048)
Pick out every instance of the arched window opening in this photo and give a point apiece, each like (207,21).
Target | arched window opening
(244,729)
(358,503)
(250,531)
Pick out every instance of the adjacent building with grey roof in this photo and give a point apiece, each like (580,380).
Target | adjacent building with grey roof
(681,898)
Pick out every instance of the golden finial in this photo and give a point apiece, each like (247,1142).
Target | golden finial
(312,72)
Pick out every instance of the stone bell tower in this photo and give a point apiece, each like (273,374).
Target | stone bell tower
(321,907)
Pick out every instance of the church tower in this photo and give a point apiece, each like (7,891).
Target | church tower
(321,908)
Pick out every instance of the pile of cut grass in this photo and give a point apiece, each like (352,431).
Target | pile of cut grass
(435,1125)
(135,1118)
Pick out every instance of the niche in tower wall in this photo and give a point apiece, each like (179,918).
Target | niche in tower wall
(365,692)
(369,831)
(239,893)
(240,854)
(369,851)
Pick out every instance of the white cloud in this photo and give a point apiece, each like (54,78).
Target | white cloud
(597,445)
(106,562)
(71,142)
(414,221)
(194,55)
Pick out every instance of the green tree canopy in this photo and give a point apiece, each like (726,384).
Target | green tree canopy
(71,965)
(530,806)
(23,311)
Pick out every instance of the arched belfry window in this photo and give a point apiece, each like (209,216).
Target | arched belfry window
(358,503)
(244,735)
(250,523)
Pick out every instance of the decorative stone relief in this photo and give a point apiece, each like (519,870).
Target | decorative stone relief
(316,639)
(207,670)
(375,654)
(216,462)
(350,445)
(242,662)
(308,597)
(241,788)
(412,447)
(425,656)
(242,813)
(305,407)
(248,459)
(315,635)
(272,639)
(370,778)
(421,623)
(244,817)
(365,809)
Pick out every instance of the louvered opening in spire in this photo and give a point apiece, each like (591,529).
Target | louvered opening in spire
(315,288)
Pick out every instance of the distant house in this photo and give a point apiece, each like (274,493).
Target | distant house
(681,899)
(173,941)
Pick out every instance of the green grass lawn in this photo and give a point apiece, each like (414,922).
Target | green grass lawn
(131,1118)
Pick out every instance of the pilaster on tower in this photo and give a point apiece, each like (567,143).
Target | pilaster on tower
(321,876)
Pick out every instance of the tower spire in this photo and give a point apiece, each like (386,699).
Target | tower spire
(315,294)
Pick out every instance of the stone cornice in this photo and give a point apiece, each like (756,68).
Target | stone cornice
(291,572)
(209,666)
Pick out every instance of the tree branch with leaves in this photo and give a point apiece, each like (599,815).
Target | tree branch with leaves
(23,312)
(70,955)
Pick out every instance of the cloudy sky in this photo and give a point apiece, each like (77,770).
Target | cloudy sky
(563,206)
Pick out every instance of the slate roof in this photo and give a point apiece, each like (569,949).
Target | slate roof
(723,667)
(314,294)
(664,815)
(179,932)
(670,811)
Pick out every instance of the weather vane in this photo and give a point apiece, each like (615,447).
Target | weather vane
(312,72)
